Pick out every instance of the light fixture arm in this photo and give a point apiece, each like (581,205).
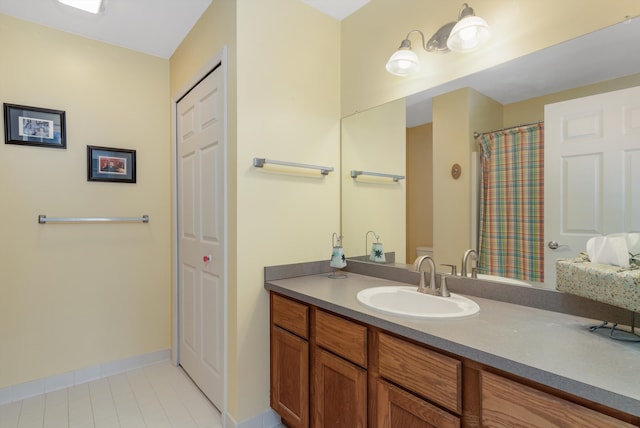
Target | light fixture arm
(366,237)
(437,42)
(406,43)
(465,11)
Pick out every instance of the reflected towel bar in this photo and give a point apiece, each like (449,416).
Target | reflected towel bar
(395,177)
(42,219)
(259,163)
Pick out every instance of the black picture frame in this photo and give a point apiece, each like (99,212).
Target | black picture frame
(111,164)
(34,126)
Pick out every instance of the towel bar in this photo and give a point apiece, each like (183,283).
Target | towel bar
(259,163)
(395,177)
(42,219)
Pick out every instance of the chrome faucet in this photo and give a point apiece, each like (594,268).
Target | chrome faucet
(465,260)
(417,264)
(431,288)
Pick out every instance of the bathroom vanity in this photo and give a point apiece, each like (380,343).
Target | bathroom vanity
(337,363)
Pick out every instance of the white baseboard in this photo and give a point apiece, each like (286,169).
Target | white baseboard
(267,419)
(77,377)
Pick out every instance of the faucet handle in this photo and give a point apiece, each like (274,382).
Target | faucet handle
(444,290)
(454,269)
(474,272)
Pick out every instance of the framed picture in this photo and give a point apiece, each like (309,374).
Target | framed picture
(109,164)
(34,126)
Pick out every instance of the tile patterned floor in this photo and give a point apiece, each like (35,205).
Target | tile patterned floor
(156,396)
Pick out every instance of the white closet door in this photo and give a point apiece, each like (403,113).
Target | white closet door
(201,257)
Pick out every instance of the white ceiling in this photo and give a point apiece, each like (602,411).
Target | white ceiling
(155,27)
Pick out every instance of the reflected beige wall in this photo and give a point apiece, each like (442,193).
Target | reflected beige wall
(456,116)
(419,189)
(371,203)
(532,110)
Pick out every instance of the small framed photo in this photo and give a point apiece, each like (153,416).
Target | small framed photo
(34,126)
(109,164)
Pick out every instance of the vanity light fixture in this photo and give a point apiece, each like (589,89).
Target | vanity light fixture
(469,33)
(465,35)
(91,6)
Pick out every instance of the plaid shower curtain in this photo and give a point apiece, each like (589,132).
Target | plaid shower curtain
(511,241)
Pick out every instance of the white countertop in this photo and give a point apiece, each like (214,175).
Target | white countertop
(548,347)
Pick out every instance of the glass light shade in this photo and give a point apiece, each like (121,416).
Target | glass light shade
(469,33)
(91,6)
(403,62)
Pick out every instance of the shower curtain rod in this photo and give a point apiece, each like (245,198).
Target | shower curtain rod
(476,134)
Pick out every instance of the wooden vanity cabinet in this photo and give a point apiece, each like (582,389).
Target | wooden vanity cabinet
(290,361)
(329,371)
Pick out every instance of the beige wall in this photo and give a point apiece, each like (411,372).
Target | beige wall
(374,32)
(419,189)
(284,104)
(77,295)
(214,33)
(288,109)
(368,202)
(456,116)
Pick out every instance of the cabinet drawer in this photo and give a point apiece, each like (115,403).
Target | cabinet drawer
(342,337)
(506,403)
(291,316)
(425,372)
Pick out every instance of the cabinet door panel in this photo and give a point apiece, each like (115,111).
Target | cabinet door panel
(509,404)
(290,377)
(339,395)
(399,409)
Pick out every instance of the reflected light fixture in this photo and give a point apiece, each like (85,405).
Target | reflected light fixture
(465,35)
(91,6)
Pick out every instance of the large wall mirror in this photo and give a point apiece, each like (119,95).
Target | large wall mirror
(598,62)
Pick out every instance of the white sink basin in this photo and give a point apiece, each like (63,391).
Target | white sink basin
(405,301)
